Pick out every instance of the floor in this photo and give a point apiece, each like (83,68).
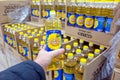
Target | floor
(3,61)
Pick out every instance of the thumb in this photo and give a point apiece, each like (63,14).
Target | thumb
(56,52)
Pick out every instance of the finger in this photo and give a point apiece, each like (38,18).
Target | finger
(56,52)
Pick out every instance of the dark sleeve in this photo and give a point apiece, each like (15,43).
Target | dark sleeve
(27,70)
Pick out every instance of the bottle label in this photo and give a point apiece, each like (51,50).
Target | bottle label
(59,15)
(79,20)
(58,75)
(63,15)
(71,19)
(25,51)
(69,76)
(44,13)
(99,23)
(89,22)
(21,49)
(108,25)
(53,40)
(48,14)
(35,12)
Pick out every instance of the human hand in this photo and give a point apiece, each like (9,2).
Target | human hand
(44,58)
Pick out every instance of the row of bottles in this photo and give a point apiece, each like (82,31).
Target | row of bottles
(76,57)
(10,31)
(24,42)
(35,10)
(36,2)
(60,10)
(46,8)
(91,16)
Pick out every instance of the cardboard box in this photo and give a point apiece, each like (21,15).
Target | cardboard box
(13,56)
(91,35)
(9,6)
(116,74)
(99,38)
(36,24)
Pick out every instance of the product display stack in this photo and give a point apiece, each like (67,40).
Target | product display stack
(87,30)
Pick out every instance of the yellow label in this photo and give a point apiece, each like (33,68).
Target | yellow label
(63,15)
(44,13)
(56,74)
(89,22)
(72,19)
(96,23)
(54,41)
(21,49)
(80,20)
(14,44)
(58,14)
(36,13)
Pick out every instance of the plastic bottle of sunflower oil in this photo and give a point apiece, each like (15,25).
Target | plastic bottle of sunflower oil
(79,69)
(69,67)
(35,48)
(53,38)
(71,13)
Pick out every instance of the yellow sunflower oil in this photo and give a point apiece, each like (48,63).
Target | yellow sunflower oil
(85,50)
(81,43)
(97,52)
(53,38)
(69,67)
(79,69)
(35,48)
(90,57)
(78,55)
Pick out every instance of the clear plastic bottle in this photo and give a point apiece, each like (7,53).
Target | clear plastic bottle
(66,40)
(53,38)
(42,43)
(102,48)
(71,13)
(68,49)
(29,32)
(33,34)
(91,47)
(85,50)
(69,67)
(35,48)
(25,45)
(97,52)
(44,38)
(75,46)
(81,43)
(90,57)
(78,55)
(79,69)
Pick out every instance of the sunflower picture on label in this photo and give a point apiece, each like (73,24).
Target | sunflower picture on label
(89,23)
(72,19)
(56,74)
(54,41)
(80,20)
